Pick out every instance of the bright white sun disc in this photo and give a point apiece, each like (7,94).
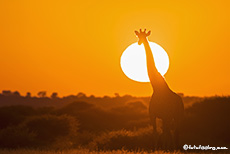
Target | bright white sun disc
(133,61)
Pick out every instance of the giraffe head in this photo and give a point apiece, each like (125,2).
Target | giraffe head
(142,36)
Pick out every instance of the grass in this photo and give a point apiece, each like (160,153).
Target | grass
(86,151)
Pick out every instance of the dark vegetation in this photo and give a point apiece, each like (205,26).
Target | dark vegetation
(103,122)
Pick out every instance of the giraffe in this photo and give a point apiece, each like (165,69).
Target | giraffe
(164,104)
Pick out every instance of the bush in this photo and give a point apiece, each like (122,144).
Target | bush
(124,139)
(41,131)
(14,115)
(14,137)
(51,129)
(207,122)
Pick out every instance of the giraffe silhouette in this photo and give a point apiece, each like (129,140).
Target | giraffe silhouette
(164,104)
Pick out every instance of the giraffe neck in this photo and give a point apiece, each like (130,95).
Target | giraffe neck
(157,81)
(150,59)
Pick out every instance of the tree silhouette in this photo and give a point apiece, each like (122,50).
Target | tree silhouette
(28,94)
(42,94)
(54,95)
(16,93)
(6,92)
(81,95)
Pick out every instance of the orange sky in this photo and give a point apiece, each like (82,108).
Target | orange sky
(75,46)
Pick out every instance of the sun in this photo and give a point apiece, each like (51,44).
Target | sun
(133,61)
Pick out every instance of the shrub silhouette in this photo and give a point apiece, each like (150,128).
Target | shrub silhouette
(14,115)
(95,119)
(50,129)
(124,139)
(207,122)
(106,123)
(15,137)
(90,117)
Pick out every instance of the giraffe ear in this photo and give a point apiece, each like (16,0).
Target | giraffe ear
(137,33)
(149,32)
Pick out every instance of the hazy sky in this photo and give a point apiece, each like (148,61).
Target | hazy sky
(74,46)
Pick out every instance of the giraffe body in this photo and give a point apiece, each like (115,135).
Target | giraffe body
(167,105)
(164,104)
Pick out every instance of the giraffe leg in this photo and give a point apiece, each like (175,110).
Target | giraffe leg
(177,134)
(177,138)
(167,139)
(155,134)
